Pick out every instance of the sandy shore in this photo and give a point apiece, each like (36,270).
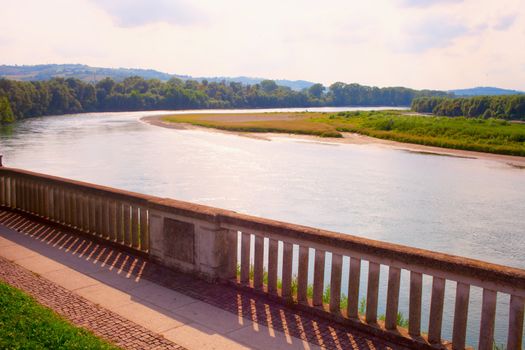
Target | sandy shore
(352,138)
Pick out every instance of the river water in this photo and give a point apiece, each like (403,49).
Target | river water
(467,207)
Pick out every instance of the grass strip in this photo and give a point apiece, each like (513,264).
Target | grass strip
(25,324)
(473,134)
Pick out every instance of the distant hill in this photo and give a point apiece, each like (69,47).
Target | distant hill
(94,74)
(293,84)
(485,91)
(79,71)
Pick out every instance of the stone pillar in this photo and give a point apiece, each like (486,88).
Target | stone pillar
(192,245)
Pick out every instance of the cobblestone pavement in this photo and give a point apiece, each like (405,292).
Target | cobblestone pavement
(82,312)
(255,307)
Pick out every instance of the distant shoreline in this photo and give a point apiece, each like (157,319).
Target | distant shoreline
(352,138)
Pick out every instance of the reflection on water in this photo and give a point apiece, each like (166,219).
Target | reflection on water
(460,206)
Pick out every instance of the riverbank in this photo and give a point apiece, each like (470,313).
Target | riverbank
(348,138)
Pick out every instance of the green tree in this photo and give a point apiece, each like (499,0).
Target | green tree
(316,90)
(6,113)
(269,86)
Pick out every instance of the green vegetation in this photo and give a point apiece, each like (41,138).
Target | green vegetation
(303,123)
(510,107)
(484,135)
(60,96)
(401,320)
(6,113)
(24,324)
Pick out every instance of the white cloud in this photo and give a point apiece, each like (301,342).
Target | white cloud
(131,13)
(505,22)
(432,33)
(427,3)
(378,42)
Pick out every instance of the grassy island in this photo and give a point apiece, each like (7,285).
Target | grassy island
(474,134)
(25,324)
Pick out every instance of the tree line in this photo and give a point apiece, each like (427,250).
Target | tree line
(510,107)
(19,99)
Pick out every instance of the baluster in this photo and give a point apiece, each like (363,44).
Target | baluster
(56,202)
(93,215)
(392,299)
(127,224)
(75,212)
(318,277)
(36,199)
(144,233)
(414,309)
(302,275)
(16,193)
(2,191)
(86,215)
(335,284)
(515,337)
(8,191)
(233,258)
(436,310)
(120,223)
(372,292)
(70,200)
(50,203)
(13,193)
(21,190)
(21,202)
(112,221)
(272,265)
(258,255)
(488,316)
(67,209)
(459,330)
(47,202)
(353,287)
(79,211)
(70,207)
(101,229)
(39,200)
(33,198)
(63,209)
(105,218)
(29,196)
(245,258)
(43,200)
(287,270)
(19,194)
(135,234)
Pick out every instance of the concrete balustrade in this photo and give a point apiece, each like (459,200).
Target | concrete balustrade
(215,244)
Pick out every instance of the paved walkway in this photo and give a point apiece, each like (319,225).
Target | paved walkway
(137,304)
(82,312)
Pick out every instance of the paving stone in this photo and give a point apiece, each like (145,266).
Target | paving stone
(196,336)
(82,312)
(249,319)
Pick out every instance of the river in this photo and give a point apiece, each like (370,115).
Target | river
(467,207)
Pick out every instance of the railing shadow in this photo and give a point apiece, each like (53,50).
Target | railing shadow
(126,272)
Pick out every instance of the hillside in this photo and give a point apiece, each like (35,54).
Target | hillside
(485,91)
(95,74)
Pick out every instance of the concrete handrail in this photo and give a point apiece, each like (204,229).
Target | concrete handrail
(204,240)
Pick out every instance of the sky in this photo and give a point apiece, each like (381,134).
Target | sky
(436,44)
